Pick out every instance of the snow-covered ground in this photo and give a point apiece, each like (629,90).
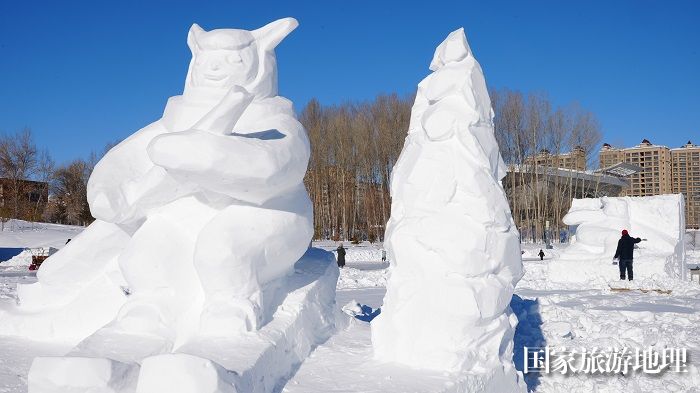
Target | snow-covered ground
(574,316)
(26,234)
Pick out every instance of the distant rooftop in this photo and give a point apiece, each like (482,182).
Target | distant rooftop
(621,169)
(688,145)
(644,144)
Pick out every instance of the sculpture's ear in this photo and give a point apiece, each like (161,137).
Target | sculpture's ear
(272,33)
(193,37)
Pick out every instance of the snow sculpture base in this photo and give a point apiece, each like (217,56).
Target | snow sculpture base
(599,221)
(252,362)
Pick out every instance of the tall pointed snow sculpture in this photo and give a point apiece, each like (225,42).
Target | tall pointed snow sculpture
(451,238)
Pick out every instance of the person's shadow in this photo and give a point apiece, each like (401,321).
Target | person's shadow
(528,334)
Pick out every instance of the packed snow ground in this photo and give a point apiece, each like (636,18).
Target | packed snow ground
(574,316)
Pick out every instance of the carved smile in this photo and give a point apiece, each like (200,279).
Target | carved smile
(215,77)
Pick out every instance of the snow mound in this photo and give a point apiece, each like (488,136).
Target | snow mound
(22,259)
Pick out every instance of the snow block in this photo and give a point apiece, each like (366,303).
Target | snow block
(81,375)
(180,373)
(599,222)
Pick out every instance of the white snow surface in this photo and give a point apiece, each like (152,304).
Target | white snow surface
(451,239)
(25,234)
(549,313)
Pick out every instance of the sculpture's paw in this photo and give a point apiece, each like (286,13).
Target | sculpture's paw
(222,318)
(138,331)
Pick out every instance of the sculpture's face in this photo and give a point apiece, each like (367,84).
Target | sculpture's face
(224,68)
(224,58)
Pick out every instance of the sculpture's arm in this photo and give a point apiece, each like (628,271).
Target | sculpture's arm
(120,170)
(252,166)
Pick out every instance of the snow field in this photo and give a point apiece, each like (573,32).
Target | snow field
(549,313)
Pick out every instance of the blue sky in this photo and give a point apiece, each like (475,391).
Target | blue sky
(81,74)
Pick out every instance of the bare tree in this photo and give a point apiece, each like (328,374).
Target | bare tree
(69,202)
(18,162)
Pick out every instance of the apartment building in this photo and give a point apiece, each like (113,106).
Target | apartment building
(656,161)
(666,171)
(576,159)
(685,166)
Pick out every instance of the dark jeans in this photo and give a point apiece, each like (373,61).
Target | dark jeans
(626,265)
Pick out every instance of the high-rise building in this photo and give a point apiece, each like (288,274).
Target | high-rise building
(666,171)
(576,159)
(656,161)
(685,166)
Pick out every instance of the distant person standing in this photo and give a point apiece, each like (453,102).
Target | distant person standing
(341,255)
(541,254)
(383,255)
(625,249)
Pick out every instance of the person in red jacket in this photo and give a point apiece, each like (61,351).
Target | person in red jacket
(625,250)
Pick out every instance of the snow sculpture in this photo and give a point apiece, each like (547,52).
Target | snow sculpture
(201,217)
(454,248)
(206,202)
(599,222)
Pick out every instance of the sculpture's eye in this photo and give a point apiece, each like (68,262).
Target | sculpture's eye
(234,58)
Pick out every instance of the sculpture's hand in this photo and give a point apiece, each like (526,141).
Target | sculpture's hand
(226,113)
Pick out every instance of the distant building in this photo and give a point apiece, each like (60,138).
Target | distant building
(685,166)
(666,171)
(656,161)
(31,198)
(576,159)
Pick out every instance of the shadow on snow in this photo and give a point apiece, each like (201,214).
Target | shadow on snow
(528,334)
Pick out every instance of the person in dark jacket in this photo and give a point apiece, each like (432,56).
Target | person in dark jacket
(541,254)
(341,255)
(625,249)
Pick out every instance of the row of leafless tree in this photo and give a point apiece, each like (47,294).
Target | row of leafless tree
(527,126)
(355,145)
(353,148)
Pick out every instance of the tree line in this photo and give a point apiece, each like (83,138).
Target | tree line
(354,146)
(57,193)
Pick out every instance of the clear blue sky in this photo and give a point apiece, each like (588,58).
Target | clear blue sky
(81,74)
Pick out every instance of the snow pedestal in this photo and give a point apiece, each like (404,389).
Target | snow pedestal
(253,362)
(453,246)
(599,222)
